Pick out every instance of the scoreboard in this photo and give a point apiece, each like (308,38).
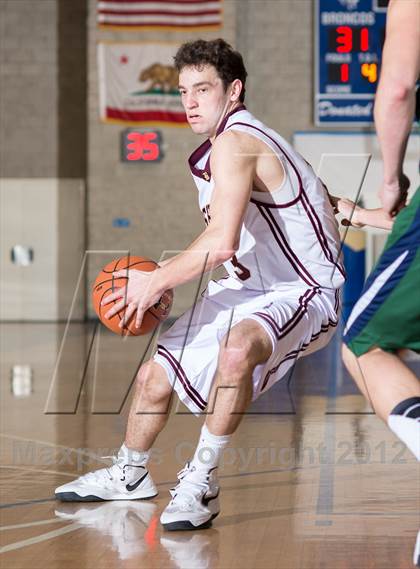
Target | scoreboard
(349,35)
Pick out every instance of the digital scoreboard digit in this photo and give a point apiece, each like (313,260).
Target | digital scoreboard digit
(349,36)
(141,146)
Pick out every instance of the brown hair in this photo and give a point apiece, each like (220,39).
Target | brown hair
(228,63)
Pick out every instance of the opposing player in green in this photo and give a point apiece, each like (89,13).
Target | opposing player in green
(386,319)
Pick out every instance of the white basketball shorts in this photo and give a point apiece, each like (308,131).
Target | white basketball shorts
(298,320)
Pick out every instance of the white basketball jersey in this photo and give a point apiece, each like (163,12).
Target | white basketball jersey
(289,236)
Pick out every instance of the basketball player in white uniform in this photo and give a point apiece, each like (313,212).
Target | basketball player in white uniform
(270,222)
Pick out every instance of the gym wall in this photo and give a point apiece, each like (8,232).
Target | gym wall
(161,199)
(42,156)
(50,129)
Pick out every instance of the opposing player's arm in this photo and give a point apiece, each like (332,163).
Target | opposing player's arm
(395,97)
(233,164)
(359,216)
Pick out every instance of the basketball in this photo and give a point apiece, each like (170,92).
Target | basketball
(106,284)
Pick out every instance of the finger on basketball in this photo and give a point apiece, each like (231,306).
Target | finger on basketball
(139,317)
(113,296)
(116,308)
(125,273)
(128,313)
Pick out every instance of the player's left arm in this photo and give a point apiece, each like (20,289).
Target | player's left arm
(357,216)
(395,98)
(233,165)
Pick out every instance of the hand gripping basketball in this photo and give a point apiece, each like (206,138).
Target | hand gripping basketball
(107,283)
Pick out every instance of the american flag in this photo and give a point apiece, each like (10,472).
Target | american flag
(155,14)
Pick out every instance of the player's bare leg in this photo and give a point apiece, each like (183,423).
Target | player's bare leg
(195,499)
(392,389)
(150,407)
(246,346)
(128,478)
(383,378)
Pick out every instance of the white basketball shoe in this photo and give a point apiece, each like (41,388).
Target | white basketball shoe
(121,481)
(195,500)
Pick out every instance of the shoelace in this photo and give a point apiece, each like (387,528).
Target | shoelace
(187,491)
(99,474)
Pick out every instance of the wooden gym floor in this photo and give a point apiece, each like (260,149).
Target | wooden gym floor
(312,480)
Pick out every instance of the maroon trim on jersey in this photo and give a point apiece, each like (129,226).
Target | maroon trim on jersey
(301,194)
(181,375)
(294,353)
(319,231)
(222,125)
(276,206)
(280,332)
(286,249)
(198,154)
(281,150)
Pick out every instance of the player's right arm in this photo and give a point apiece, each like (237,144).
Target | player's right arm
(395,98)
(233,164)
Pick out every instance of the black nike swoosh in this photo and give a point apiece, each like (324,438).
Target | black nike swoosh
(132,487)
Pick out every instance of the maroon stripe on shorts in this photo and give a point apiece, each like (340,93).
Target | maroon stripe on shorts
(181,375)
(337,300)
(294,353)
(269,320)
(280,332)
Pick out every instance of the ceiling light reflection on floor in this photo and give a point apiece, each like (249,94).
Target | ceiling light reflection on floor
(21,380)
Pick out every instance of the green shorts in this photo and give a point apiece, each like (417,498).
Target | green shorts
(387,314)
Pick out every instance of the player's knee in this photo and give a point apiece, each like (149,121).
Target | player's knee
(236,358)
(349,358)
(152,382)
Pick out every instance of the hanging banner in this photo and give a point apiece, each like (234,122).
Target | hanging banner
(139,85)
(160,14)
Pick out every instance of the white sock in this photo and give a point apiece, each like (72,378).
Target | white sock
(209,449)
(408,430)
(134,457)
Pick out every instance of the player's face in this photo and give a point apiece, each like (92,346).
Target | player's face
(204,98)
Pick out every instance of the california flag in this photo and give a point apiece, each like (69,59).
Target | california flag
(138,84)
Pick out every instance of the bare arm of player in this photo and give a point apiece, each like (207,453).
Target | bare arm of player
(395,98)
(357,216)
(233,171)
(233,165)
